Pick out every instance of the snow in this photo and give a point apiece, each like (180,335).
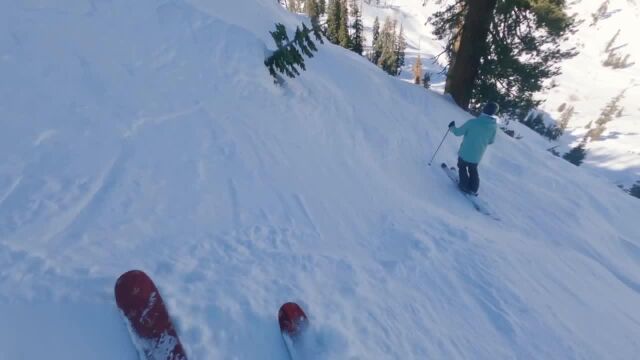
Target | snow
(584,83)
(588,85)
(149,135)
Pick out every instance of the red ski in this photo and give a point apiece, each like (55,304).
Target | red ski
(293,322)
(147,317)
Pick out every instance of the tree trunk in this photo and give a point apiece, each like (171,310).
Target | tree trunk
(472,46)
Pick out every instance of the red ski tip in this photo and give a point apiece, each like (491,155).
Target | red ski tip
(139,300)
(292,319)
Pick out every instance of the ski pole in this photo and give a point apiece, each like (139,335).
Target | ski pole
(434,154)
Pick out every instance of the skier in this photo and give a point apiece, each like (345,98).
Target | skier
(478,133)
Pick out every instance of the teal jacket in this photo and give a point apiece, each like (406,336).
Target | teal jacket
(478,134)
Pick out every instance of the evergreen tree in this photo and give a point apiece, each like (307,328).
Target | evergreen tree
(502,50)
(289,55)
(387,42)
(294,5)
(611,109)
(358,29)
(343,31)
(417,71)
(374,56)
(401,46)
(426,80)
(565,116)
(333,21)
(635,190)
(322,7)
(606,116)
(576,155)
(312,9)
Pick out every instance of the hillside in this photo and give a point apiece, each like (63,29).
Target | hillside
(149,135)
(585,85)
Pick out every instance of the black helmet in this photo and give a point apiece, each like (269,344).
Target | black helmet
(490,108)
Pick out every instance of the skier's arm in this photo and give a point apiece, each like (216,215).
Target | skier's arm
(459,131)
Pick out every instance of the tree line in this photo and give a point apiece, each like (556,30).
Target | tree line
(498,50)
(343,26)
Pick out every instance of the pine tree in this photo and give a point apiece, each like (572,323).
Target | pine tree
(576,155)
(502,50)
(343,31)
(294,5)
(358,29)
(374,56)
(387,41)
(289,55)
(401,46)
(606,116)
(565,116)
(322,7)
(312,9)
(635,190)
(417,71)
(426,80)
(333,21)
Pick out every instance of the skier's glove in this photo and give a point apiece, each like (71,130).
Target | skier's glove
(452,124)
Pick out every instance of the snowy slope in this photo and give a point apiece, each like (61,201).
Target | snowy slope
(585,83)
(588,86)
(149,135)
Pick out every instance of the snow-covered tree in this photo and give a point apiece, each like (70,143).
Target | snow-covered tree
(374,56)
(387,43)
(344,39)
(357,38)
(401,46)
(333,20)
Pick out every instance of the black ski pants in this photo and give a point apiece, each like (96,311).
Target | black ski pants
(468,173)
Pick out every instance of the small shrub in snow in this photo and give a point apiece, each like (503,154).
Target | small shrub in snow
(509,132)
(535,121)
(617,61)
(611,42)
(576,155)
(426,80)
(614,59)
(606,116)
(554,151)
(601,13)
(635,190)
(565,117)
(562,107)
(595,133)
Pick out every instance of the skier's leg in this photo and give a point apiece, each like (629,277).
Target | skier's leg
(474,177)
(463,175)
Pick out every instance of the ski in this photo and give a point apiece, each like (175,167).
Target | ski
(293,323)
(147,318)
(478,204)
